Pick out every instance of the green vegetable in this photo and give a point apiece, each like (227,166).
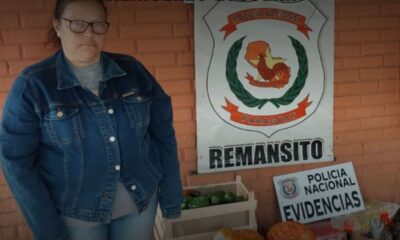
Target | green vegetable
(185,203)
(198,202)
(229,197)
(217,197)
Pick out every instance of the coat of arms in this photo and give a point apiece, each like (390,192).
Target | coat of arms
(274,75)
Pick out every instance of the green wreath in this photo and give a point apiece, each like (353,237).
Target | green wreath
(246,97)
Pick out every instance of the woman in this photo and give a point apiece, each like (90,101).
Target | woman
(86,140)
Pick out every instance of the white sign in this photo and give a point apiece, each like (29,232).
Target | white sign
(264,83)
(319,193)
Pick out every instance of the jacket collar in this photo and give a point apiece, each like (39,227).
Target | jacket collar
(66,78)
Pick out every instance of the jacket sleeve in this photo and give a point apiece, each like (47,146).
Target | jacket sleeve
(19,141)
(162,132)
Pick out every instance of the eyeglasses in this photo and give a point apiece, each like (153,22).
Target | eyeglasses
(80,26)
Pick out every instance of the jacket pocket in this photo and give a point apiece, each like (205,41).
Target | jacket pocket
(63,124)
(137,107)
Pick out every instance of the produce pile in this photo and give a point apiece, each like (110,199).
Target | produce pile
(195,199)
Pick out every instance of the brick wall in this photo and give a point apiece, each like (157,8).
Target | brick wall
(160,34)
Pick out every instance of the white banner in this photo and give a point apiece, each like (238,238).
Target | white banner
(317,194)
(264,83)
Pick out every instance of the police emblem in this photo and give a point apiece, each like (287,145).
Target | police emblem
(274,77)
(289,188)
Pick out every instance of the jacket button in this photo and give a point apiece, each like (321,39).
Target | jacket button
(133,187)
(110,111)
(60,114)
(117,167)
(112,139)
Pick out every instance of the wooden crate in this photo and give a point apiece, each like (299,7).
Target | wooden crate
(203,223)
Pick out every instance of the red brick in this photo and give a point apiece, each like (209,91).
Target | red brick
(347,24)
(358,10)
(7,206)
(2,179)
(121,17)
(9,20)
(183,115)
(124,4)
(386,171)
(175,73)
(3,96)
(185,59)
(359,36)
(390,9)
(392,109)
(186,141)
(347,101)
(177,87)
(183,29)
(379,22)
(49,5)
(384,193)
(154,16)
(364,112)
(17,66)
(5,193)
(113,33)
(9,219)
(388,73)
(187,168)
(191,14)
(6,83)
(391,157)
(391,60)
(388,85)
(380,48)
(138,31)
(29,20)
(347,50)
(390,34)
(380,122)
(190,155)
(23,232)
(185,128)
(163,45)
(157,59)
(339,114)
(338,65)
(344,2)
(362,62)
(191,43)
(25,36)
(391,133)
(8,233)
(9,52)
(379,99)
(347,126)
(363,136)
(3,68)
(18,5)
(356,88)
(36,51)
(347,75)
(348,150)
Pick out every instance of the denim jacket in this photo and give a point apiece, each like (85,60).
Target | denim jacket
(64,149)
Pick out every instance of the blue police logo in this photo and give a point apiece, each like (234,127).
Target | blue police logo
(289,188)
